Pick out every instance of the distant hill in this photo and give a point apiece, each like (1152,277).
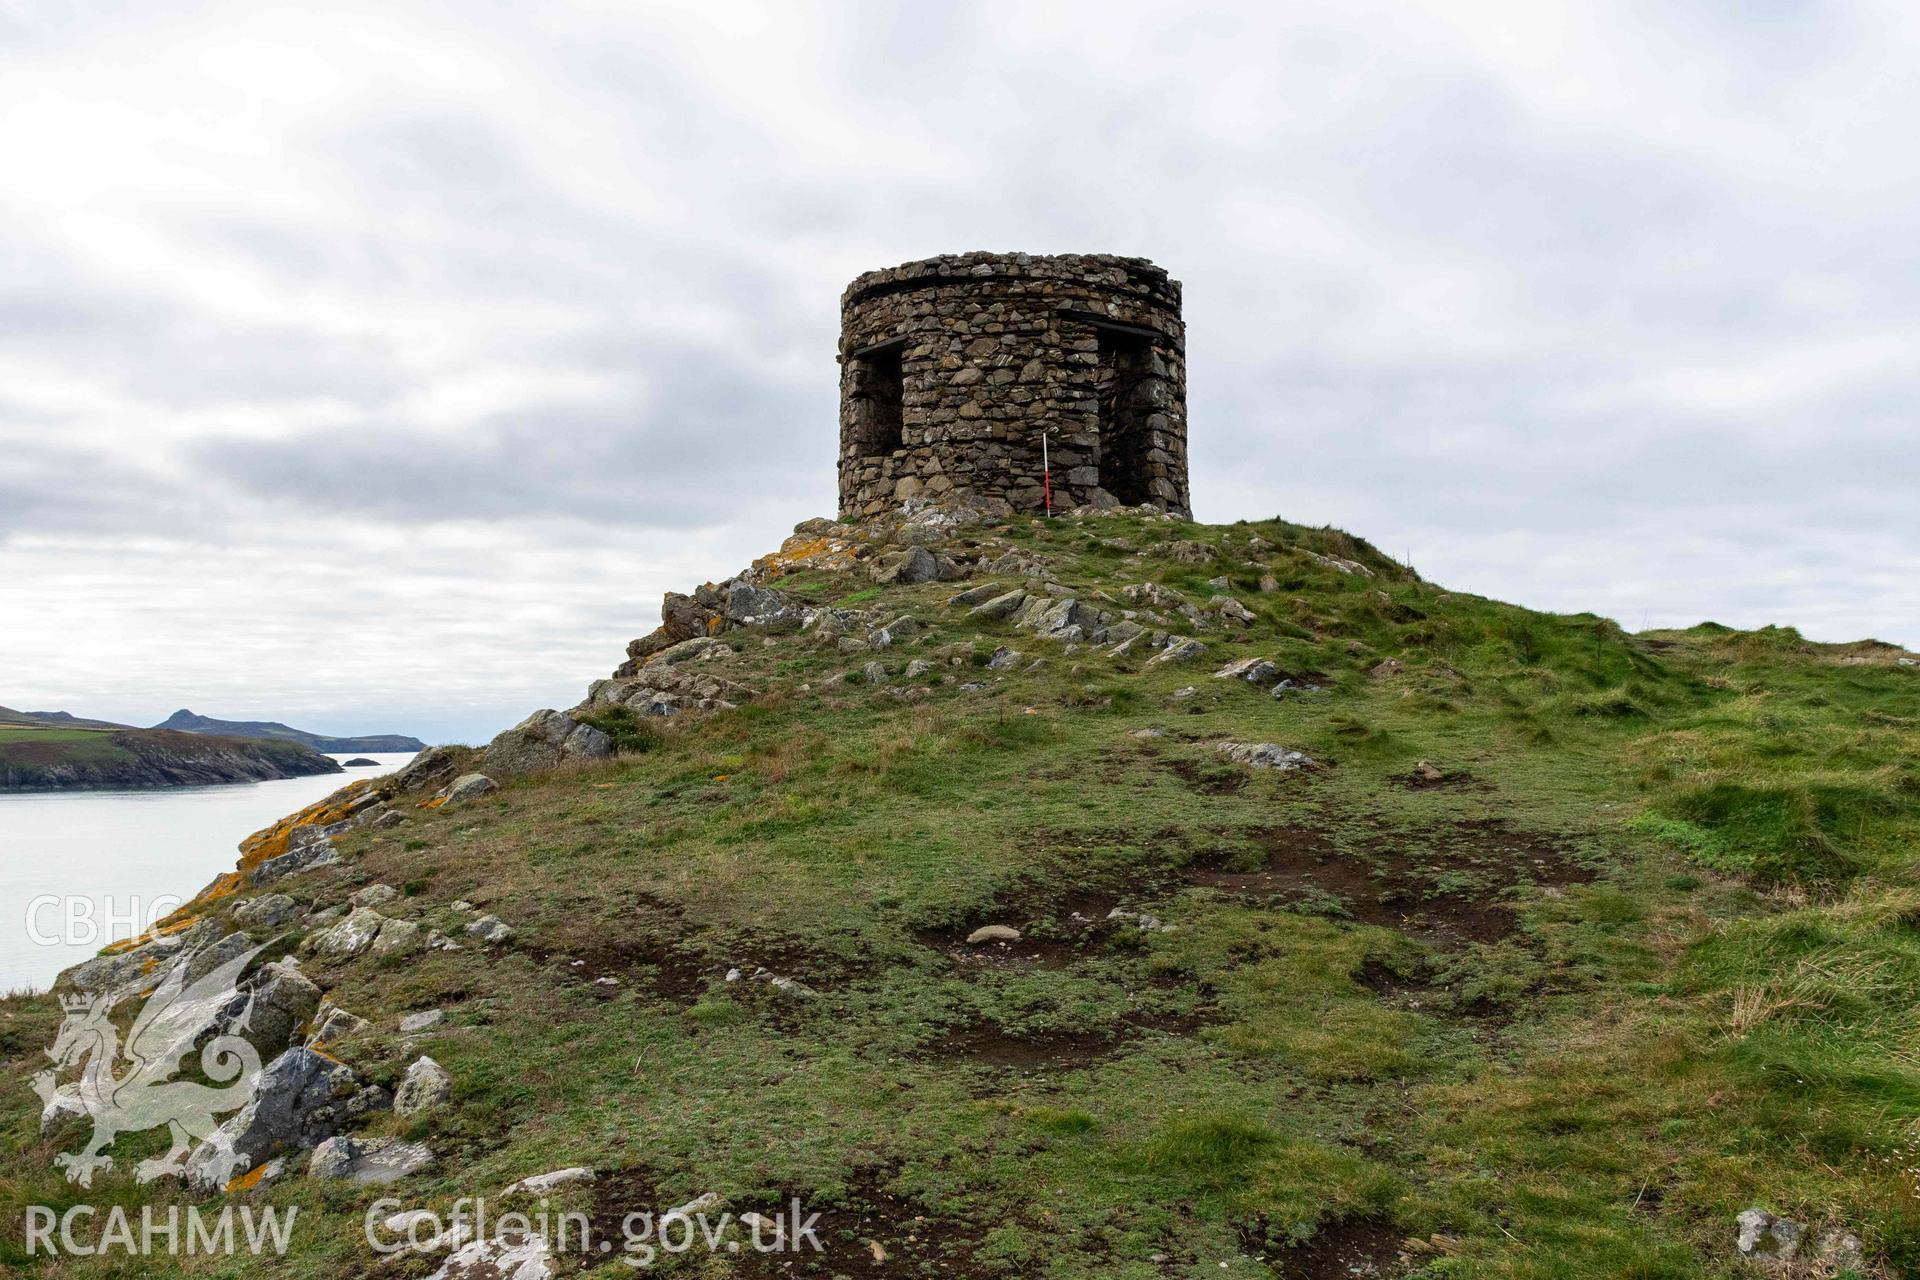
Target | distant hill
(184,721)
(38,718)
(71,721)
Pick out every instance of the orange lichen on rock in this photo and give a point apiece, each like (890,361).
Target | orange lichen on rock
(176,921)
(800,550)
(248,1180)
(224,884)
(274,840)
(433,803)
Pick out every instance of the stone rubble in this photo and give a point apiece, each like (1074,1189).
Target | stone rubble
(1266,755)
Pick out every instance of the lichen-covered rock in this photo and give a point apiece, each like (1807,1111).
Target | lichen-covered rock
(1190,552)
(746,604)
(1766,1238)
(543,740)
(268,912)
(349,937)
(672,682)
(299,1100)
(1064,619)
(369,1161)
(398,938)
(374,895)
(133,965)
(425,1086)
(309,852)
(203,959)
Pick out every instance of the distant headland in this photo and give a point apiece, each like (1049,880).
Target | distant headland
(57,750)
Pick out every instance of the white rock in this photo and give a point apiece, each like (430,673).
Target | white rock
(490,929)
(368,1161)
(993,933)
(350,937)
(699,1204)
(489,1259)
(541,1183)
(1763,1236)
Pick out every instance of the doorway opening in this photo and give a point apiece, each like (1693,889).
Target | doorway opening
(877,384)
(1126,364)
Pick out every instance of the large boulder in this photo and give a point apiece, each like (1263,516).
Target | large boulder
(541,741)
(1066,620)
(271,1008)
(432,768)
(299,1100)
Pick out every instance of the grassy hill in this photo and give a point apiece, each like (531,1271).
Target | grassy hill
(54,719)
(1565,947)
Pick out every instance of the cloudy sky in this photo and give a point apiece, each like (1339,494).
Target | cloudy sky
(378,366)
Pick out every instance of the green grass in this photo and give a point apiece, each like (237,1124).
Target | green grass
(13,733)
(1646,957)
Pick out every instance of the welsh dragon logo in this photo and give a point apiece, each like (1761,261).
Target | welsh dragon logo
(144,1095)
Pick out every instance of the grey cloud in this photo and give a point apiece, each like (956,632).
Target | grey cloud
(709,431)
(574,278)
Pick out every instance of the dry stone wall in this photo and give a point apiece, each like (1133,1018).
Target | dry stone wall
(952,370)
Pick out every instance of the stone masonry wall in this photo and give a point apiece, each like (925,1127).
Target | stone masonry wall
(951,369)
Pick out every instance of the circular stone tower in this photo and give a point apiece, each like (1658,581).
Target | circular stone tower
(954,370)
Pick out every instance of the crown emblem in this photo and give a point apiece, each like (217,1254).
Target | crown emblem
(79,1002)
